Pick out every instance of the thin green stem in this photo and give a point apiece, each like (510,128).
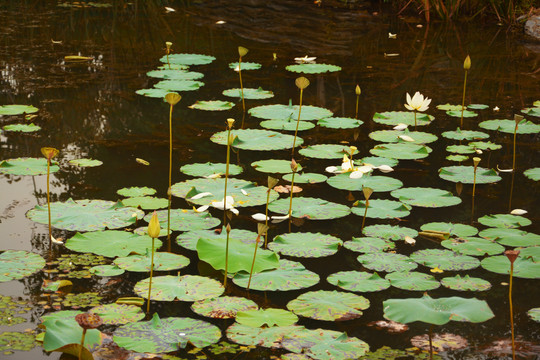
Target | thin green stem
(297,121)
(414,119)
(511,310)
(253,262)
(170,182)
(151,275)
(226,261)
(463,100)
(266,218)
(226,177)
(49,206)
(514,155)
(357,101)
(290,202)
(241,85)
(364,218)
(82,343)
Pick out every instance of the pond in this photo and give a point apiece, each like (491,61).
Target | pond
(90,109)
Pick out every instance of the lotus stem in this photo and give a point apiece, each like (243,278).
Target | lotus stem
(169,194)
(364,218)
(512,256)
(358,92)
(228,229)
(266,219)
(414,119)
(151,275)
(261,229)
(82,343)
(466,67)
(367,194)
(168,44)
(230,123)
(241,85)
(301,83)
(49,207)
(430,342)
(517,119)
(294,168)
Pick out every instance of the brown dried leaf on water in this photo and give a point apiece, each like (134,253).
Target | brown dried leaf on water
(441,342)
(286,189)
(390,326)
(503,348)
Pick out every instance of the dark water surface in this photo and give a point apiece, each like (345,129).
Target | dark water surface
(91,110)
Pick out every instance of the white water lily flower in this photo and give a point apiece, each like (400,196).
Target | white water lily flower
(260,217)
(200,195)
(57,241)
(332,169)
(356,175)
(226,204)
(202,208)
(213,176)
(496,108)
(279,218)
(358,172)
(169,9)
(385,168)
(400,127)
(503,170)
(409,240)
(478,151)
(418,102)
(305,60)
(406,138)
(518,212)
(243,192)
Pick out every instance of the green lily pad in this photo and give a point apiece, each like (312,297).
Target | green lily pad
(449,107)
(445,260)
(310,208)
(473,246)
(175,86)
(82,300)
(27,166)
(26,128)
(146,202)
(182,288)
(290,275)
(533,111)
(387,262)
(465,174)
(389,232)
(511,237)
(392,136)
(378,161)
(329,305)
(185,220)
(425,197)
(256,336)
(223,307)
(305,178)
(163,261)
(466,283)
(160,93)
(358,281)
(266,317)
(274,166)
(381,209)
(508,126)
(533,173)
(284,112)
(369,244)
(209,169)
(287,125)
(484,145)
(86,162)
(136,191)
(412,280)
(309,245)
(534,314)
(339,123)
(17,109)
(111,243)
(507,221)
(325,151)
(477,106)
(524,267)
(249,93)
(86,215)
(401,151)
(189,239)
(460,149)
(257,139)
(187,59)
(465,135)
(175,74)
(312,68)
(532,252)
(10,309)
(437,311)
(460,230)
(458,113)
(376,182)
(116,314)
(212,105)
(20,341)
(245,65)
(106,270)
(16,264)
(458,158)
(65,334)
(166,335)
(402,117)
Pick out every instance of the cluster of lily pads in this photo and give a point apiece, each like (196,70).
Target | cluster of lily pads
(101,230)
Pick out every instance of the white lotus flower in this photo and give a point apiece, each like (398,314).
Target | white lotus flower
(400,127)
(478,151)
(201,209)
(260,217)
(305,60)
(279,218)
(496,108)
(244,192)
(331,169)
(358,172)
(200,195)
(392,36)
(226,204)
(169,9)
(418,102)
(406,138)
(356,175)
(57,241)
(213,176)
(385,168)
(409,240)
(518,212)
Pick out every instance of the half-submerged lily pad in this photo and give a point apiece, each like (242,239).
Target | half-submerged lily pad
(187,59)
(308,245)
(460,149)
(257,139)
(412,280)
(394,136)
(146,202)
(508,126)
(426,197)
(312,68)
(389,232)
(369,244)
(116,314)
(287,125)
(473,246)
(189,239)
(458,158)
(402,117)
(182,288)
(375,182)
(249,93)
(358,281)
(458,113)
(325,151)
(269,337)
(212,105)
(177,85)
(524,267)
(534,314)
(445,260)
(466,283)
(274,166)
(17,109)
(86,162)
(25,128)
(184,220)
(381,209)
(507,221)
(284,112)
(266,317)
(310,208)
(511,237)
(106,270)
(401,151)
(160,93)
(27,166)
(460,230)
(533,173)
(378,161)
(340,123)
(465,135)
(465,174)
(329,305)
(484,145)
(163,261)
(16,264)
(210,169)
(223,307)
(388,262)
(450,107)
(136,191)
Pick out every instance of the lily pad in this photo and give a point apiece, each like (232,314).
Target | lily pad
(287,125)
(269,337)
(146,202)
(511,237)
(401,151)
(189,239)
(465,135)
(310,208)
(188,59)
(425,197)
(376,182)
(387,262)
(465,283)
(210,169)
(86,162)
(378,161)
(212,105)
(106,270)
(507,221)
(484,145)
(524,267)
(533,173)
(163,261)
(402,117)
(249,93)
(27,166)
(136,191)
(309,245)
(266,317)
(458,113)
(532,252)
(182,288)
(175,74)
(381,209)
(460,149)
(26,128)
(166,335)
(458,158)
(339,123)
(305,178)
(508,126)
(173,85)
(245,65)
(460,230)
(412,280)
(16,264)
(445,260)
(473,246)
(20,341)
(257,139)
(533,111)
(86,215)
(111,243)
(449,107)
(369,244)
(184,220)
(17,109)
(389,232)
(329,305)
(358,281)
(325,151)
(312,68)
(392,136)
(284,112)
(534,314)
(477,106)
(65,334)
(116,314)
(465,174)
(223,307)
(11,308)
(274,166)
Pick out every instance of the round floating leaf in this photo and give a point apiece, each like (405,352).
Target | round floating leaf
(209,169)
(511,237)
(465,283)
(402,117)
(287,125)
(284,112)
(339,123)
(507,221)
(136,191)
(17,109)
(524,267)
(86,162)
(64,335)
(116,314)
(160,93)
(212,105)
(186,220)
(375,182)
(223,307)
(445,260)
(465,135)
(26,128)
(452,229)
(378,161)
(329,305)
(477,106)
(533,111)
(111,243)
(245,66)
(533,173)
(174,85)
(425,197)
(310,208)
(257,139)
(106,270)
(401,151)
(460,149)
(86,215)
(388,262)
(312,68)
(389,232)
(16,264)
(183,288)
(290,275)
(175,74)
(381,209)
(255,336)
(306,178)
(166,335)
(20,341)
(309,245)
(249,93)
(437,311)
(458,113)
(484,145)
(458,158)
(188,240)
(392,136)
(187,59)
(325,151)
(465,174)
(534,314)
(532,252)
(27,166)
(358,281)
(508,126)
(473,246)
(369,244)
(412,280)
(163,261)
(448,107)
(146,202)
(274,166)
(266,317)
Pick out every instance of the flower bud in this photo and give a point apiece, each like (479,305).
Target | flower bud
(358,91)
(302,82)
(467,63)
(228,228)
(49,152)
(294,165)
(153,226)
(242,51)
(172,98)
